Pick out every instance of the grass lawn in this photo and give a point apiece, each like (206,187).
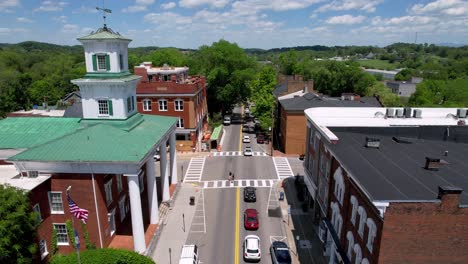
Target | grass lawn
(377,64)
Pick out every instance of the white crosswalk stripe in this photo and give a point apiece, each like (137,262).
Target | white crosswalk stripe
(194,170)
(283,169)
(219,184)
(238,153)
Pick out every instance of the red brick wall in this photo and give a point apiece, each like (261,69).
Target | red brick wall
(424,233)
(185,114)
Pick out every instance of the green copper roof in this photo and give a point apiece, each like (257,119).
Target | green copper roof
(103,33)
(27,132)
(104,141)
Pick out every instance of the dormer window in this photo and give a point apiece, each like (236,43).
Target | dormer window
(101,62)
(105,107)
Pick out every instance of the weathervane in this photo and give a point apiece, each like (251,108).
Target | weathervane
(104,11)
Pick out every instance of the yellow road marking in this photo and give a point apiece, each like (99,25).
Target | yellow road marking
(236,241)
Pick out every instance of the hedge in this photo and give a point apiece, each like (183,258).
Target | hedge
(103,256)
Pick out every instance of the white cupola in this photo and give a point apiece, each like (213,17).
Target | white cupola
(108,90)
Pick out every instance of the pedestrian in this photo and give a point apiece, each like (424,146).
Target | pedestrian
(233,176)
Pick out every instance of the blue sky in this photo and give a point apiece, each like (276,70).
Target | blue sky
(250,23)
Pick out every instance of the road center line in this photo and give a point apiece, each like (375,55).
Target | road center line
(236,241)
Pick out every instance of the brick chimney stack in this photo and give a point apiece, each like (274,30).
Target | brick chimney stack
(450,197)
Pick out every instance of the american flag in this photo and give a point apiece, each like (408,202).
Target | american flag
(79,213)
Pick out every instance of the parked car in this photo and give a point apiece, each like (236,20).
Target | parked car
(189,255)
(260,139)
(248,151)
(246,139)
(227,120)
(245,128)
(249,194)
(279,252)
(252,248)
(251,219)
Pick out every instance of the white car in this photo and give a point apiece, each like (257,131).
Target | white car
(252,248)
(248,151)
(246,139)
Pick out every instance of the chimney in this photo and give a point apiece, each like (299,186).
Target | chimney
(432,164)
(449,197)
(306,90)
(372,142)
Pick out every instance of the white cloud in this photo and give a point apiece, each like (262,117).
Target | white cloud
(6,4)
(404,20)
(140,5)
(7,31)
(24,20)
(62,19)
(342,5)
(434,6)
(85,9)
(345,19)
(167,18)
(70,28)
(195,3)
(167,6)
(253,6)
(50,6)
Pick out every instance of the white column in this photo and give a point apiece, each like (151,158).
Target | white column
(172,144)
(138,232)
(164,172)
(152,191)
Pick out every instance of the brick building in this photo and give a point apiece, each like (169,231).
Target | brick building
(170,91)
(106,157)
(291,83)
(291,121)
(386,185)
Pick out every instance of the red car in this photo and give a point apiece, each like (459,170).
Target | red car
(260,139)
(251,219)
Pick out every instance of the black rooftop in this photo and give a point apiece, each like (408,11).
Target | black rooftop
(395,171)
(308,100)
(280,89)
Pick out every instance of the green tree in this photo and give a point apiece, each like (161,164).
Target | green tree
(262,87)
(404,75)
(18,226)
(169,56)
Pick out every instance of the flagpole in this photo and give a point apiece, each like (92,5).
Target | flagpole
(75,233)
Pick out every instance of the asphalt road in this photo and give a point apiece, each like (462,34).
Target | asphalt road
(223,208)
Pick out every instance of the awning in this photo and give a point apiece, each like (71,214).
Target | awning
(216,133)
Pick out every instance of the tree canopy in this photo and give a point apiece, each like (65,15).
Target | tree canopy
(262,87)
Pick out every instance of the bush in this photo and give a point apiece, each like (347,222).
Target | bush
(103,256)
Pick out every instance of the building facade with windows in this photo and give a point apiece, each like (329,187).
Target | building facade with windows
(170,91)
(106,157)
(387,184)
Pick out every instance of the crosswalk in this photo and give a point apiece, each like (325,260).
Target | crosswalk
(238,153)
(282,167)
(238,183)
(194,170)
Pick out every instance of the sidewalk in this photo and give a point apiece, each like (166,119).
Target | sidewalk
(300,231)
(172,235)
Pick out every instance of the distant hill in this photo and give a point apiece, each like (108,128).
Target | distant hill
(34,46)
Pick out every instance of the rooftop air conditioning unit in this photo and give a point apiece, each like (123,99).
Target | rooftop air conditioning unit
(417,113)
(461,113)
(399,113)
(407,112)
(372,142)
(390,112)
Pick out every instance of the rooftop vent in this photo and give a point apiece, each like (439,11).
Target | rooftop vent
(461,123)
(399,113)
(379,114)
(372,142)
(434,164)
(461,113)
(407,112)
(390,112)
(417,113)
(402,140)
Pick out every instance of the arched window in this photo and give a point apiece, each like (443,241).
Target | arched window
(372,233)
(337,219)
(339,185)
(354,208)
(365,261)
(362,220)
(350,238)
(358,253)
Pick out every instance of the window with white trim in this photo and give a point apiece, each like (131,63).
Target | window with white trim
(362,220)
(43,248)
(111,218)
(354,208)
(179,105)
(349,251)
(119,183)
(55,202)
(101,62)
(108,190)
(147,105)
(371,234)
(162,105)
(180,123)
(358,252)
(122,211)
(339,185)
(62,234)
(103,107)
(37,210)
(141,182)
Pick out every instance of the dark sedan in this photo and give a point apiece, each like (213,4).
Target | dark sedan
(249,194)
(280,253)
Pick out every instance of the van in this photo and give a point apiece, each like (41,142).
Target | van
(189,255)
